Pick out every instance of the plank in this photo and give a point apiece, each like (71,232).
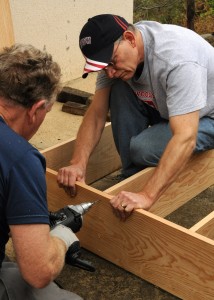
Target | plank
(57,198)
(6,26)
(195,178)
(74,108)
(165,254)
(205,226)
(102,162)
(74,95)
(78,109)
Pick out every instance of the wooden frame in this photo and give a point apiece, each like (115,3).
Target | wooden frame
(177,259)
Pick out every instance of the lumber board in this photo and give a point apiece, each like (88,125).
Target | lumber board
(174,258)
(80,109)
(74,108)
(57,198)
(205,226)
(195,178)
(6,26)
(102,162)
(74,95)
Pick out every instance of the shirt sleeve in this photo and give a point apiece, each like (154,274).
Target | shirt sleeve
(27,202)
(186,89)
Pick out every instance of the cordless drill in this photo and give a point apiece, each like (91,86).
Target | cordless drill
(72,217)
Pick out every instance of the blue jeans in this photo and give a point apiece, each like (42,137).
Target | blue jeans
(141,135)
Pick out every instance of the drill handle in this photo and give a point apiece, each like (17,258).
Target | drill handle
(73,258)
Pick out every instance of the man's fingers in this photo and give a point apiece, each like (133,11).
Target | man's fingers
(70,191)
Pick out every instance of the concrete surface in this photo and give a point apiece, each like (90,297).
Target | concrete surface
(110,282)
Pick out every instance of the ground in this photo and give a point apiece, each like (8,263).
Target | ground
(109,282)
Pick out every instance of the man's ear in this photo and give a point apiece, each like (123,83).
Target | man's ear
(32,111)
(129,36)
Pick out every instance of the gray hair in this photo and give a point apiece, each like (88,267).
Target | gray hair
(28,75)
(130,27)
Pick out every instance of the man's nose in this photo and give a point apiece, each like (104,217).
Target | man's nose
(110,71)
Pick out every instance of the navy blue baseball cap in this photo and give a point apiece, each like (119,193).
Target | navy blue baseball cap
(96,40)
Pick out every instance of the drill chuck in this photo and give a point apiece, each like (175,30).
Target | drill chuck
(70,216)
(82,208)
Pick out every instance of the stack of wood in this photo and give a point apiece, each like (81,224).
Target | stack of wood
(75,101)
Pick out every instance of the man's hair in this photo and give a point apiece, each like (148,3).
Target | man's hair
(132,28)
(28,75)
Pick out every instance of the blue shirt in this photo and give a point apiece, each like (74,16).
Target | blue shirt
(22,184)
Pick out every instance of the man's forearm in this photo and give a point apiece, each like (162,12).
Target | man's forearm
(174,159)
(87,138)
(40,255)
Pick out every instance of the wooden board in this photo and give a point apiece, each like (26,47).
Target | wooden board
(6,26)
(74,108)
(177,259)
(102,162)
(170,256)
(205,226)
(195,178)
(78,109)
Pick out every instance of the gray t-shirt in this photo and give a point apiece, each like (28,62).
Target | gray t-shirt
(178,72)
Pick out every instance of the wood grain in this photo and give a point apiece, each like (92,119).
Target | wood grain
(102,162)
(6,26)
(195,178)
(205,226)
(165,254)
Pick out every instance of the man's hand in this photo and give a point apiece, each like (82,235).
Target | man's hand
(68,176)
(65,234)
(125,202)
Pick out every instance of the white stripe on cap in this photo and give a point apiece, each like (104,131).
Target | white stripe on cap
(93,66)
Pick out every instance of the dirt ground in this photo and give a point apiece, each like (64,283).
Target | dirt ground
(109,281)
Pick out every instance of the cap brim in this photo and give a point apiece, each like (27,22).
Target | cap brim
(92,66)
(98,61)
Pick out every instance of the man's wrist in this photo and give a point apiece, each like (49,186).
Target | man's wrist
(65,234)
(80,163)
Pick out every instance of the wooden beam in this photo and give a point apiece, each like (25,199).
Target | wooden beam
(57,198)
(195,178)
(74,108)
(165,254)
(205,226)
(6,26)
(102,162)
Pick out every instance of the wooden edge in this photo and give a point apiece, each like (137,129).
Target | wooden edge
(195,178)
(134,183)
(6,25)
(102,162)
(174,258)
(57,198)
(205,226)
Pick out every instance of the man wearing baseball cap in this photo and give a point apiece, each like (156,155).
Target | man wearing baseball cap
(97,40)
(157,79)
